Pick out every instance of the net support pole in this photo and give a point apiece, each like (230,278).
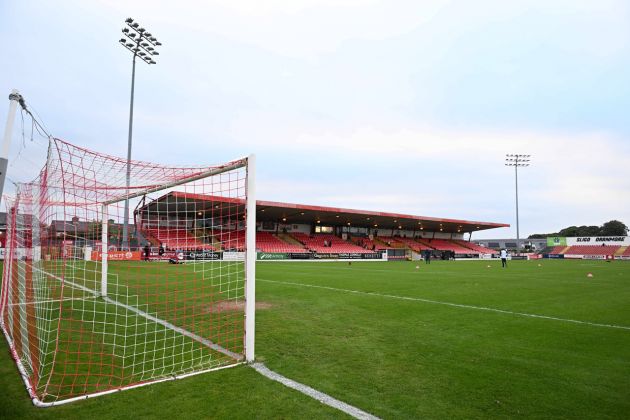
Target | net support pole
(14,99)
(250,261)
(104,247)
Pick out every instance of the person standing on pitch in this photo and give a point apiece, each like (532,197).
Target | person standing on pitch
(147,251)
(427,256)
(504,258)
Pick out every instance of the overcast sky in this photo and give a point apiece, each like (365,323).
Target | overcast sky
(402,106)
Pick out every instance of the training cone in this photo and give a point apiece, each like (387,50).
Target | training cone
(417,267)
(589,275)
(539,265)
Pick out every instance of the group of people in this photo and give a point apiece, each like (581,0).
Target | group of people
(147,251)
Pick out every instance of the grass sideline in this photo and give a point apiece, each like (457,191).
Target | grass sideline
(401,358)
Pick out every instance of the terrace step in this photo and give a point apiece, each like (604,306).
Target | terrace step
(286,237)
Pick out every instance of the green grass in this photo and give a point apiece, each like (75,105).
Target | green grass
(399,358)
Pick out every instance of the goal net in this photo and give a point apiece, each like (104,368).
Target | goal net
(90,307)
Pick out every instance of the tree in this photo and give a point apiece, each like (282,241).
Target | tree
(570,231)
(590,231)
(614,228)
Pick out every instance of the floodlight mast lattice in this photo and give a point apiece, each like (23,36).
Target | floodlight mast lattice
(142,44)
(517,160)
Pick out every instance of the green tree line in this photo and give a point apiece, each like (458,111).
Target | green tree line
(611,228)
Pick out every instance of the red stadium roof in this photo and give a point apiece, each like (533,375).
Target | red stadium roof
(289,213)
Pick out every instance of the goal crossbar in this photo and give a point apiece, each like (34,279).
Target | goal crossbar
(239,163)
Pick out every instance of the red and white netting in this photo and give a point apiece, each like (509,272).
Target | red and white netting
(88,309)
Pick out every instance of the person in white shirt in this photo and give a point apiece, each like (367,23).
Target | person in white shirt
(504,258)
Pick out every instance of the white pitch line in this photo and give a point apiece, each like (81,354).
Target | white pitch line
(456,305)
(313,393)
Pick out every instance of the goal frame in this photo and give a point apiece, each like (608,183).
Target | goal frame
(249,163)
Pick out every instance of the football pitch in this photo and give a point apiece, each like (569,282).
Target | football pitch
(451,339)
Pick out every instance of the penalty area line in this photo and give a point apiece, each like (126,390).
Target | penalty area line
(456,305)
(313,393)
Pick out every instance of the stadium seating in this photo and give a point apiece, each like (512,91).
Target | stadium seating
(446,245)
(175,239)
(369,244)
(592,250)
(556,250)
(477,248)
(337,245)
(392,242)
(231,240)
(268,242)
(413,244)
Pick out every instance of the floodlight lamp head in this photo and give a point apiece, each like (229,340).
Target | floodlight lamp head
(132,35)
(152,38)
(141,30)
(134,25)
(148,34)
(144,44)
(122,41)
(155,53)
(158,43)
(128,20)
(129,45)
(152,62)
(126,30)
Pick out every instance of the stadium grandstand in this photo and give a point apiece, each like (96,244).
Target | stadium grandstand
(595,247)
(190,222)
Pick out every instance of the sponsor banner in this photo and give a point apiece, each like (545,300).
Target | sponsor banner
(556,241)
(485,256)
(588,240)
(348,256)
(594,257)
(202,255)
(600,240)
(272,256)
(117,255)
(573,257)
(233,256)
(326,256)
(299,255)
(535,256)
(372,256)
(622,257)
(166,255)
(554,256)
